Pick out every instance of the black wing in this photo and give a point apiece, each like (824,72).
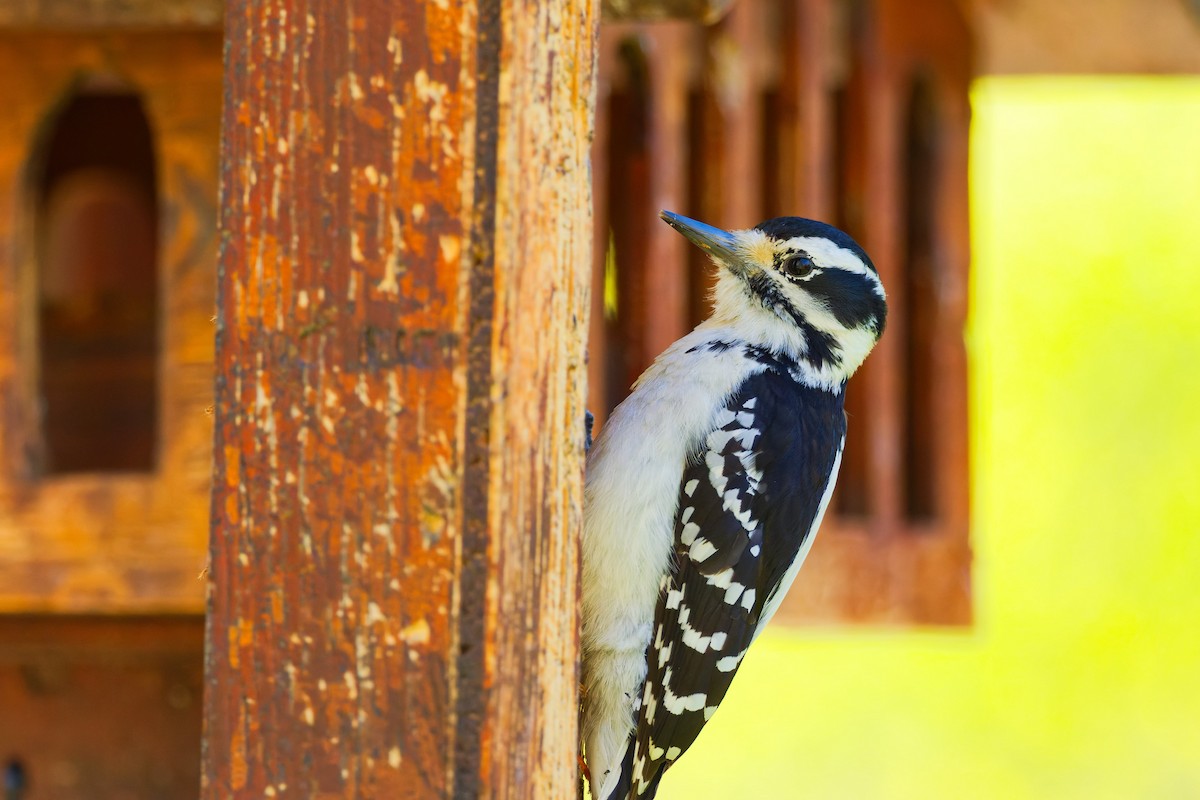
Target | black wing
(747,502)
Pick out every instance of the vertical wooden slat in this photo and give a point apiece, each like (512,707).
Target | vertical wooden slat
(809,62)
(882,238)
(849,195)
(733,53)
(628,205)
(598,344)
(665,287)
(647,150)
(403,284)
(726,170)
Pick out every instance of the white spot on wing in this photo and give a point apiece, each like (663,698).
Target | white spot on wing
(730,663)
(701,550)
(679,704)
(733,593)
(720,580)
(716,471)
(664,655)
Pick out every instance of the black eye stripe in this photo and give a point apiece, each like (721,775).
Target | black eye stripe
(850,295)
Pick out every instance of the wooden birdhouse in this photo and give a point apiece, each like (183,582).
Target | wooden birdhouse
(108,244)
(855,112)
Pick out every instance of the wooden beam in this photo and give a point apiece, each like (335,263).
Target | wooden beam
(706,11)
(402,307)
(94,14)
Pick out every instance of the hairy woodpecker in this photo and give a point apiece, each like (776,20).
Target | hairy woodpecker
(707,484)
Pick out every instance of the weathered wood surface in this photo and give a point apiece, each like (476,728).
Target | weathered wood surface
(111,542)
(397,494)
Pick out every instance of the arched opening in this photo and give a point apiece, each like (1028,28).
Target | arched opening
(96,231)
(920,314)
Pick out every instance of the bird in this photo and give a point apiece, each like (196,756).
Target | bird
(705,487)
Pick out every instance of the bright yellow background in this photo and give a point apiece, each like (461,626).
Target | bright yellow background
(1081,676)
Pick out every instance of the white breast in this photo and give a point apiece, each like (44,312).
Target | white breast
(630,500)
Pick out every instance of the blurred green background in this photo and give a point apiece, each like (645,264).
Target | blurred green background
(1081,675)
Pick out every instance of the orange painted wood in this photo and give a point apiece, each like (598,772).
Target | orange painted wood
(400,377)
(111,542)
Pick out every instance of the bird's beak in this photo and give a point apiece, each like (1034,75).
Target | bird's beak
(721,245)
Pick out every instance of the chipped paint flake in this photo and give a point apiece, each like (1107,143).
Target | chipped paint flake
(417,633)
(450,247)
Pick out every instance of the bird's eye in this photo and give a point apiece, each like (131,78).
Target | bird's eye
(798,266)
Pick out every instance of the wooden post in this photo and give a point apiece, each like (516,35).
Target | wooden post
(402,308)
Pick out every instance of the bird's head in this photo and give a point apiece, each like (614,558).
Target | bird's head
(795,286)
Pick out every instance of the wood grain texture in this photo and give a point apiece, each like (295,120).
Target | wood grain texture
(111,542)
(400,375)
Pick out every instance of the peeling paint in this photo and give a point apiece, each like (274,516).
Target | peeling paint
(417,633)
(387,174)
